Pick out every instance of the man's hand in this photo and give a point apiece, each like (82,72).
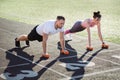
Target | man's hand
(66,52)
(46,56)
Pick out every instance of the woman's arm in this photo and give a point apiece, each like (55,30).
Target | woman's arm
(99,32)
(89,36)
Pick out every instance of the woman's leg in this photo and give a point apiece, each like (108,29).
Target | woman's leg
(75,28)
(67,31)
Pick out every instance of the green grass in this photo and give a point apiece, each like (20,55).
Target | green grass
(38,11)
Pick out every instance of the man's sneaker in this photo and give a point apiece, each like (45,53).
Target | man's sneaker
(17,43)
(27,42)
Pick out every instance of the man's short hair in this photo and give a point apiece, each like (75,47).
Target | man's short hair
(60,17)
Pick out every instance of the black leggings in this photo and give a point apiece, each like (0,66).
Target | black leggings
(77,27)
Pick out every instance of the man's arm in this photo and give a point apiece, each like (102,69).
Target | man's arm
(62,42)
(44,43)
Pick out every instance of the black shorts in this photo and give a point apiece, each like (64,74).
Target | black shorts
(33,35)
(77,27)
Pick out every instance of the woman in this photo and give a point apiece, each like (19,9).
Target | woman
(87,24)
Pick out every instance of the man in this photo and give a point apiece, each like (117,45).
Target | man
(41,33)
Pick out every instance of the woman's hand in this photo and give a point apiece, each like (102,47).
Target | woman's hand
(104,46)
(89,48)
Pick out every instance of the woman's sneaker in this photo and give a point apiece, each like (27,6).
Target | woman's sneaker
(68,37)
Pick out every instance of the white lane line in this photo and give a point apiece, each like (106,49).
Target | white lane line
(14,65)
(116,56)
(36,63)
(91,74)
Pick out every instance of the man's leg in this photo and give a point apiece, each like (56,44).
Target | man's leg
(21,38)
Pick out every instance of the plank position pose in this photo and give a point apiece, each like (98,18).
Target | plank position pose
(87,24)
(41,33)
